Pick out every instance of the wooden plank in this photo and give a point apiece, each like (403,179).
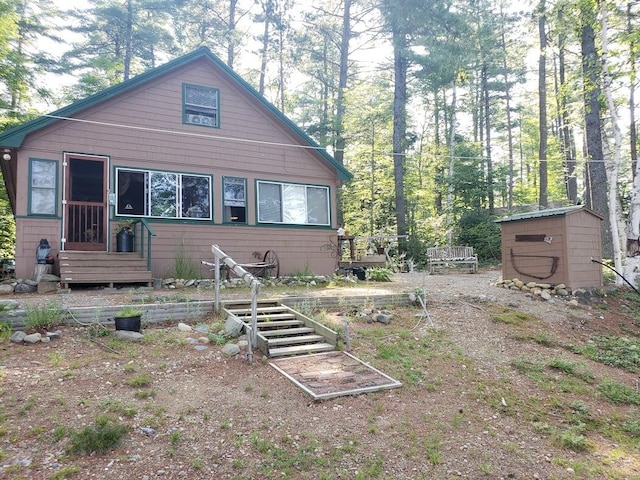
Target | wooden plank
(286,331)
(292,340)
(300,349)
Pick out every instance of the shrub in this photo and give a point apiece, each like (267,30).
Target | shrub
(101,437)
(44,317)
(379,274)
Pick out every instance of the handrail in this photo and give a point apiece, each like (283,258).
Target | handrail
(249,279)
(144,225)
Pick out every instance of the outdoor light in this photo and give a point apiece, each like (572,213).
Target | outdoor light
(6,156)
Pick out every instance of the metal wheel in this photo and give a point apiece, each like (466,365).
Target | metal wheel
(272,264)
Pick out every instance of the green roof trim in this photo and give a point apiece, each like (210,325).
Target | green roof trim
(14,137)
(551,212)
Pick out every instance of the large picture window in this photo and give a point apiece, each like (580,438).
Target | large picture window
(163,194)
(43,181)
(201,106)
(292,204)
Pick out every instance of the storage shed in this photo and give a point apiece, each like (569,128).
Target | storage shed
(553,246)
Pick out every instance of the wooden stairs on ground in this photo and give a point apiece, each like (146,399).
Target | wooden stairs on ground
(283,331)
(102,268)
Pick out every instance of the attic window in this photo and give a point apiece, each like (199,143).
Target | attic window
(200,106)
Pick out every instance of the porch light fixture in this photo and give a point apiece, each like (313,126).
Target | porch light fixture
(6,155)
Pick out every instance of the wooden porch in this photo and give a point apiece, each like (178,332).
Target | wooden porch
(103,268)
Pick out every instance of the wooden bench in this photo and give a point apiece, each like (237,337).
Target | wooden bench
(452,257)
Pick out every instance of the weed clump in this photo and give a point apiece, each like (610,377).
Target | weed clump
(102,436)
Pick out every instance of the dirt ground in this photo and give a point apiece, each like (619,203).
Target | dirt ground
(468,407)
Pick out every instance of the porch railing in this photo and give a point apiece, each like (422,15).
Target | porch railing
(249,279)
(144,228)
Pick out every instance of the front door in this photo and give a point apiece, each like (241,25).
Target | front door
(85,207)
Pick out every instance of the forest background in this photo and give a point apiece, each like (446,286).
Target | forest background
(450,113)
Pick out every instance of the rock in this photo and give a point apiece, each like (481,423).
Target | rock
(48,277)
(189,283)
(545,286)
(18,337)
(47,287)
(148,431)
(183,327)
(560,286)
(574,303)
(231,349)
(545,295)
(32,338)
(232,327)
(562,292)
(531,284)
(24,288)
(128,336)
(168,281)
(56,334)
(8,304)
(6,289)
(45,339)
(383,318)
(242,344)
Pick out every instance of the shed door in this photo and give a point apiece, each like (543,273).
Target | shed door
(86,203)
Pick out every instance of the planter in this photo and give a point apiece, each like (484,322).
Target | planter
(124,240)
(131,324)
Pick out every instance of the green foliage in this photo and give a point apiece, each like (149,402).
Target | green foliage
(479,230)
(104,435)
(619,393)
(128,311)
(623,352)
(5,330)
(379,274)
(44,317)
(184,266)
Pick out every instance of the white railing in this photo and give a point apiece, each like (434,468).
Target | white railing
(249,279)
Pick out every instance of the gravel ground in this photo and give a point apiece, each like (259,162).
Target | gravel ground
(463,412)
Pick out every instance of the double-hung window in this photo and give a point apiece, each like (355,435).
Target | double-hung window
(294,204)
(201,105)
(43,181)
(158,194)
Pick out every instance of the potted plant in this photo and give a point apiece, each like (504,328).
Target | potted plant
(125,236)
(128,318)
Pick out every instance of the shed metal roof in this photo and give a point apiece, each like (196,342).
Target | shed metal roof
(551,212)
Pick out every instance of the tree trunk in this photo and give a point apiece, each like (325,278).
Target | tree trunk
(231,41)
(613,166)
(265,46)
(452,156)
(508,113)
(128,42)
(568,143)
(542,105)
(596,181)
(487,126)
(633,57)
(399,123)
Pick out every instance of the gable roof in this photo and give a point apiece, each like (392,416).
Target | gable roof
(14,137)
(551,212)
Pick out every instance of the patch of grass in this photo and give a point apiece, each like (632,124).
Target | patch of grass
(631,425)
(573,439)
(174,438)
(617,392)
(143,394)
(44,317)
(104,435)
(64,472)
(5,331)
(431,446)
(140,380)
(511,317)
(531,369)
(621,352)
(113,405)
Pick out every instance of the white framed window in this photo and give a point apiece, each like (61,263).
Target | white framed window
(292,204)
(43,183)
(200,105)
(157,194)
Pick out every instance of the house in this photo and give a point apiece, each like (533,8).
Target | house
(553,246)
(190,153)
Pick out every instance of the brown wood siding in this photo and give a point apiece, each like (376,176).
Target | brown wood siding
(157,107)
(584,243)
(533,258)
(576,239)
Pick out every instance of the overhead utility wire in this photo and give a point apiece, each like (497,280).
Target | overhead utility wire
(188,134)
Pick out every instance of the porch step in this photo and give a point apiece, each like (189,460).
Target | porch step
(283,331)
(102,268)
(301,349)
